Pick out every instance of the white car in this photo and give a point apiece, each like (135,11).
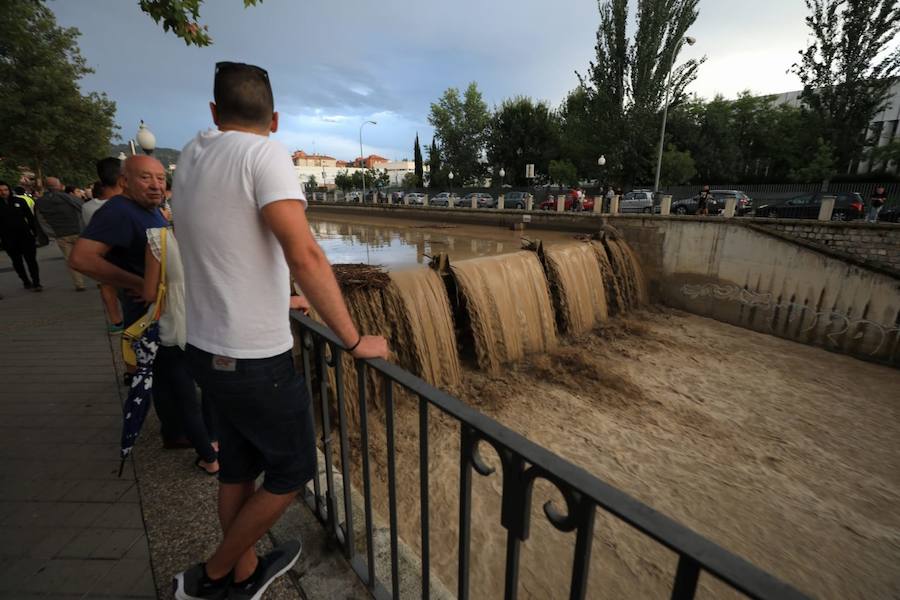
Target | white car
(414,199)
(637,201)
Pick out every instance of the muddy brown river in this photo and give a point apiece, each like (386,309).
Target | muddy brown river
(785,454)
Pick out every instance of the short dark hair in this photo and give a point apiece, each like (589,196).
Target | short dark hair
(108,170)
(18,190)
(97,189)
(70,189)
(2,183)
(243,95)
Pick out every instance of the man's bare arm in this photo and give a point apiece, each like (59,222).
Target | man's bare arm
(310,267)
(88,257)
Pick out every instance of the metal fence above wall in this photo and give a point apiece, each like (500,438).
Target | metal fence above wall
(522,463)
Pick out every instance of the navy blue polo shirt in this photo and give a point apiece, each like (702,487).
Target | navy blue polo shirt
(122,224)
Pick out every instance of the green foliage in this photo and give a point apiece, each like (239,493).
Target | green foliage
(374,179)
(437,178)
(311,183)
(821,165)
(849,67)
(410,181)
(523,131)
(461,124)
(563,172)
(343,181)
(419,166)
(48,125)
(615,110)
(882,156)
(181,18)
(677,167)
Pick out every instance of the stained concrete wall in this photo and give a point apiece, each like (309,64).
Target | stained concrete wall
(739,275)
(735,271)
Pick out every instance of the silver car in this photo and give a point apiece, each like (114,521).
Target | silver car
(637,201)
(443,199)
(414,199)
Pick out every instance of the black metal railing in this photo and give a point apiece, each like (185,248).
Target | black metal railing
(522,463)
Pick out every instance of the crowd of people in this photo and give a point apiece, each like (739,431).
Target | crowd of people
(230,254)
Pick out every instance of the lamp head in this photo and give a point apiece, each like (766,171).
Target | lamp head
(602,160)
(690,40)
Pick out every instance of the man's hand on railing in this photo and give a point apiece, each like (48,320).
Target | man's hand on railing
(371,346)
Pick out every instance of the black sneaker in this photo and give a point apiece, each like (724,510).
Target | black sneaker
(271,566)
(193,584)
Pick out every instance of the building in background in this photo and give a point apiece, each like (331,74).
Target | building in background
(324,168)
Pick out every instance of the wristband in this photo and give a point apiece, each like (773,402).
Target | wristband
(353,347)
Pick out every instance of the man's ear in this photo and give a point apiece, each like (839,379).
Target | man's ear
(274,127)
(212,109)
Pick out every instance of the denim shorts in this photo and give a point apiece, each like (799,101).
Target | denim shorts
(264,419)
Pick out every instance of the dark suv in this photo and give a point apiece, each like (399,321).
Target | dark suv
(847,207)
(688,206)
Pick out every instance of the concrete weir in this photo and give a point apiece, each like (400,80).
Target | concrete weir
(734,270)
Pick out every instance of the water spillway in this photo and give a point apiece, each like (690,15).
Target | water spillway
(579,290)
(508,305)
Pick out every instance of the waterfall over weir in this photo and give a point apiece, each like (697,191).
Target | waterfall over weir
(508,305)
(578,288)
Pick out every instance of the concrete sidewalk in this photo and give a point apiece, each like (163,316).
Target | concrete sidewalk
(71,528)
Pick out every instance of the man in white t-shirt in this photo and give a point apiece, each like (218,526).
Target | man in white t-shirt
(243,232)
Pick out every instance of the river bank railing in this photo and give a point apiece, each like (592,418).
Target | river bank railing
(523,462)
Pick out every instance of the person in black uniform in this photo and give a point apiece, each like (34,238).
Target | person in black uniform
(18,234)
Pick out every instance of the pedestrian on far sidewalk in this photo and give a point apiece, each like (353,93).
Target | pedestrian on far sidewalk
(876,203)
(242,227)
(62,213)
(18,235)
(703,201)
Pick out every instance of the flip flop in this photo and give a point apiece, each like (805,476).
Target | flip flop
(204,469)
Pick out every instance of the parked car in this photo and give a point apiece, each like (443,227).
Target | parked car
(571,195)
(414,199)
(444,199)
(847,207)
(482,200)
(688,206)
(889,215)
(517,200)
(373,196)
(636,201)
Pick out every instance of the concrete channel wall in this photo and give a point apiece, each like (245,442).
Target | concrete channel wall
(739,271)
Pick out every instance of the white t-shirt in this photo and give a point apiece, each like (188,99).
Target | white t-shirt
(171,321)
(89,208)
(237,288)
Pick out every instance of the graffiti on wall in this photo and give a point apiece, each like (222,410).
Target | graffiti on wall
(837,324)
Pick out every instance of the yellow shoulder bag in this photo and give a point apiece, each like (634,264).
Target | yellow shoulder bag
(137,329)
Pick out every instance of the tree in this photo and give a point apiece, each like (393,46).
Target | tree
(625,86)
(311,183)
(677,167)
(420,169)
(821,167)
(523,131)
(563,173)
(882,156)
(47,123)
(343,180)
(181,17)
(410,181)
(436,176)
(848,69)
(461,124)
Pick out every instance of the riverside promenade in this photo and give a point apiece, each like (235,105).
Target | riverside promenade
(71,528)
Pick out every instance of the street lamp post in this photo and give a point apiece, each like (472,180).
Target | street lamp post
(662,136)
(146,139)
(450,177)
(502,176)
(600,163)
(362,158)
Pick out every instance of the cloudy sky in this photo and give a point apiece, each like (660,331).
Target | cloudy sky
(335,64)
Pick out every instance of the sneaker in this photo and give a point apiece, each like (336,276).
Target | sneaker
(80,288)
(271,566)
(193,584)
(37,288)
(115,328)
